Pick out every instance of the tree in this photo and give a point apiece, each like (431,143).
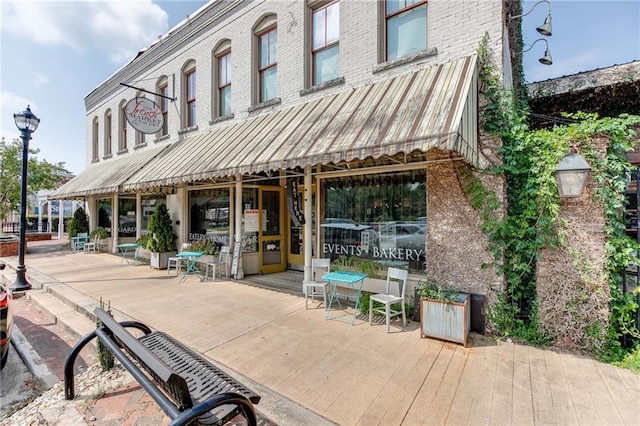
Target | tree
(42,175)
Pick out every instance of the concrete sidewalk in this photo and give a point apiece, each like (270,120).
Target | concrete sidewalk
(312,371)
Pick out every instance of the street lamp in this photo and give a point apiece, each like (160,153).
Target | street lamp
(27,123)
(571,174)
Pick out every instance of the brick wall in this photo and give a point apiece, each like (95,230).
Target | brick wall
(9,248)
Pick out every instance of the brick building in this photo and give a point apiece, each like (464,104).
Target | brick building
(307,129)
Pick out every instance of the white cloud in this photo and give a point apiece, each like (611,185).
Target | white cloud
(115,28)
(11,104)
(39,79)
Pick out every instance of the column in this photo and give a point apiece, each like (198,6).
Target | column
(308,207)
(60,218)
(115,219)
(238,225)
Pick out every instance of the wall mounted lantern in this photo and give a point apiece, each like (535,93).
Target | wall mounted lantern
(571,175)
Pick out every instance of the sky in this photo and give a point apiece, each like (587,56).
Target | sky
(53,53)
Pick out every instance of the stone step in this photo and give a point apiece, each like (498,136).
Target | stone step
(62,314)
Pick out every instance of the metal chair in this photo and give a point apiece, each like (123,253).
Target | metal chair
(395,293)
(177,262)
(223,260)
(317,287)
(79,241)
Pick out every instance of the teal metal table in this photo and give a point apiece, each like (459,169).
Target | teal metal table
(349,280)
(127,254)
(191,257)
(77,243)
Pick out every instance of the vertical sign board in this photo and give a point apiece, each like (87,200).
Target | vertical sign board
(236,259)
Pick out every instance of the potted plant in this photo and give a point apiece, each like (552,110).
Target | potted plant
(162,240)
(444,314)
(210,248)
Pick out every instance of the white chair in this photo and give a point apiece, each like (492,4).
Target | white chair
(317,287)
(394,293)
(93,246)
(177,262)
(223,261)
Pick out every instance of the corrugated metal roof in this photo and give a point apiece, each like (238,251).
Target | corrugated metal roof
(107,176)
(414,111)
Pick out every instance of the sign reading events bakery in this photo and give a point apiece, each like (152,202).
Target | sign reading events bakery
(144,115)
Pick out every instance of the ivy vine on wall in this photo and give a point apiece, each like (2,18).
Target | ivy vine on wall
(532,221)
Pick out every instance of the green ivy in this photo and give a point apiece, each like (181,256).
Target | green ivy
(531,221)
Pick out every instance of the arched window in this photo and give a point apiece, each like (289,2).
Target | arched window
(222,79)
(266,37)
(189,94)
(107,133)
(162,88)
(94,139)
(122,125)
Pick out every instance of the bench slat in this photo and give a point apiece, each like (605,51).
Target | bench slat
(203,378)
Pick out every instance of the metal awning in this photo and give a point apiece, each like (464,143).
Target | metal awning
(106,176)
(433,107)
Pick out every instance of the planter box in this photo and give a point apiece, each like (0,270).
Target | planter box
(446,320)
(160,260)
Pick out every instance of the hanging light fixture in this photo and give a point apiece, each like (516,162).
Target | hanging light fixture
(546,59)
(571,175)
(545,28)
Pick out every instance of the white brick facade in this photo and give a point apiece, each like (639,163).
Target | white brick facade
(455,29)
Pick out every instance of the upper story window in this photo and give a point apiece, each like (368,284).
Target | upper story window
(406,27)
(189,90)
(94,139)
(222,76)
(267,38)
(325,38)
(139,136)
(122,123)
(107,133)
(162,88)
(224,84)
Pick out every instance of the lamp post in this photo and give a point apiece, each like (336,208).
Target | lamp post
(572,174)
(27,123)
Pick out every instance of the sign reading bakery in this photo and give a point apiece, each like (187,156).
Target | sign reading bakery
(144,115)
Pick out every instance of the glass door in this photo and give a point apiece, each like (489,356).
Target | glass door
(296,235)
(272,240)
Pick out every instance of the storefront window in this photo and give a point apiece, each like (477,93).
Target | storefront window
(104,215)
(127,219)
(250,220)
(149,203)
(209,216)
(376,218)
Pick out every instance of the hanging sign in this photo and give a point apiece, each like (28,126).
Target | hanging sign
(144,115)
(294,204)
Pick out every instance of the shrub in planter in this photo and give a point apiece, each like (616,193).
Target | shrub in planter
(162,240)
(79,223)
(99,232)
(444,314)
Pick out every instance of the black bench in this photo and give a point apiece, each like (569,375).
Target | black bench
(184,384)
